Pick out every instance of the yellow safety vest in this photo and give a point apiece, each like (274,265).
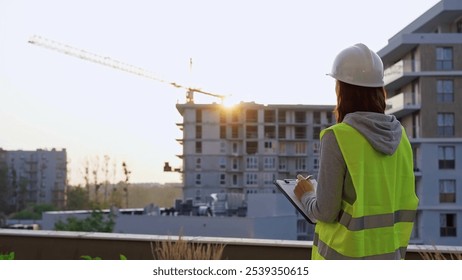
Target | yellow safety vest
(379,223)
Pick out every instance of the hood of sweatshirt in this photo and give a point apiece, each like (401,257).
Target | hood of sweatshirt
(382,131)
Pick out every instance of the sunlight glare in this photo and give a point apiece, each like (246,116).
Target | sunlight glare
(229,102)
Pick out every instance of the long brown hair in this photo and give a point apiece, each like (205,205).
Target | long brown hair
(352,98)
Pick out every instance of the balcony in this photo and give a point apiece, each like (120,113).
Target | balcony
(405,71)
(60,245)
(402,104)
(400,74)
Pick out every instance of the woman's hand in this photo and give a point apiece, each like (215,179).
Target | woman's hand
(303,185)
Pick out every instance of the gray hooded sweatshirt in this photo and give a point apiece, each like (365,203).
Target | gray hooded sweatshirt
(382,131)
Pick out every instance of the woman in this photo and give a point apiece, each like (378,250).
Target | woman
(365,201)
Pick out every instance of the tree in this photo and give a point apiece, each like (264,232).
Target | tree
(96,222)
(33,212)
(113,194)
(77,198)
(127,183)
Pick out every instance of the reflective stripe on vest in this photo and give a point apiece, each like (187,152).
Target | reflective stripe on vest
(379,223)
(374,221)
(328,253)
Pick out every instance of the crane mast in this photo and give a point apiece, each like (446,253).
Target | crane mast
(116,64)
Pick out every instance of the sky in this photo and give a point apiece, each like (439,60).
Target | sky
(268,52)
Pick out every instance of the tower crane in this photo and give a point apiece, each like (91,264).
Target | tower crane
(107,61)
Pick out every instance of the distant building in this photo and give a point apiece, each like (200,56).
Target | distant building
(423,77)
(36,177)
(269,216)
(243,149)
(4,191)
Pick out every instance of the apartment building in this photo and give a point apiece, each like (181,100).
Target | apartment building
(423,78)
(36,177)
(243,149)
(3,184)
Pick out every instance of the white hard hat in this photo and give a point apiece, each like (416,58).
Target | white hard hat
(358,65)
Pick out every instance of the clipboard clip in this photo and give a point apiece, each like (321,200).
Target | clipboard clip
(288,181)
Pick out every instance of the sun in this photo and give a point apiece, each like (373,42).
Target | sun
(229,102)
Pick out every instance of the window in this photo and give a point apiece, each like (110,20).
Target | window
(459,26)
(282,132)
(235,116)
(222,117)
(268,145)
(316,132)
(198,163)
(222,162)
(198,179)
(251,131)
(444,58)
(198,147)
(330,117)
(198,132)
(300,132)
(282,116)
(300,117)
(235,148)
(252,147)
(315,164)
(251,163)
(222,147)
(282,148)
(270,132)
(269,163)
(222,179)
(300,164)
(316,147)
(446,124)
(282,164)
(447,191)
(445,91)
(198,116)
(270,116)
(414,62)
(235,164)
(268,178)
(416,158)
(415,125)
(222,132)
(251,116)
(234,131)
(234,179)
(300,148)
(448,225)
(446,157)
(415,234)
(302,227)
(251,178)
(317,117)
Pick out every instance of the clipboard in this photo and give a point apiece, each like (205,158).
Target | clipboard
(287,186)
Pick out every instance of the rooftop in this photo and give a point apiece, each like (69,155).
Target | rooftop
(55,245)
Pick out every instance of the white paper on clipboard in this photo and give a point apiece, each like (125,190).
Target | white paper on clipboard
(287,186)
